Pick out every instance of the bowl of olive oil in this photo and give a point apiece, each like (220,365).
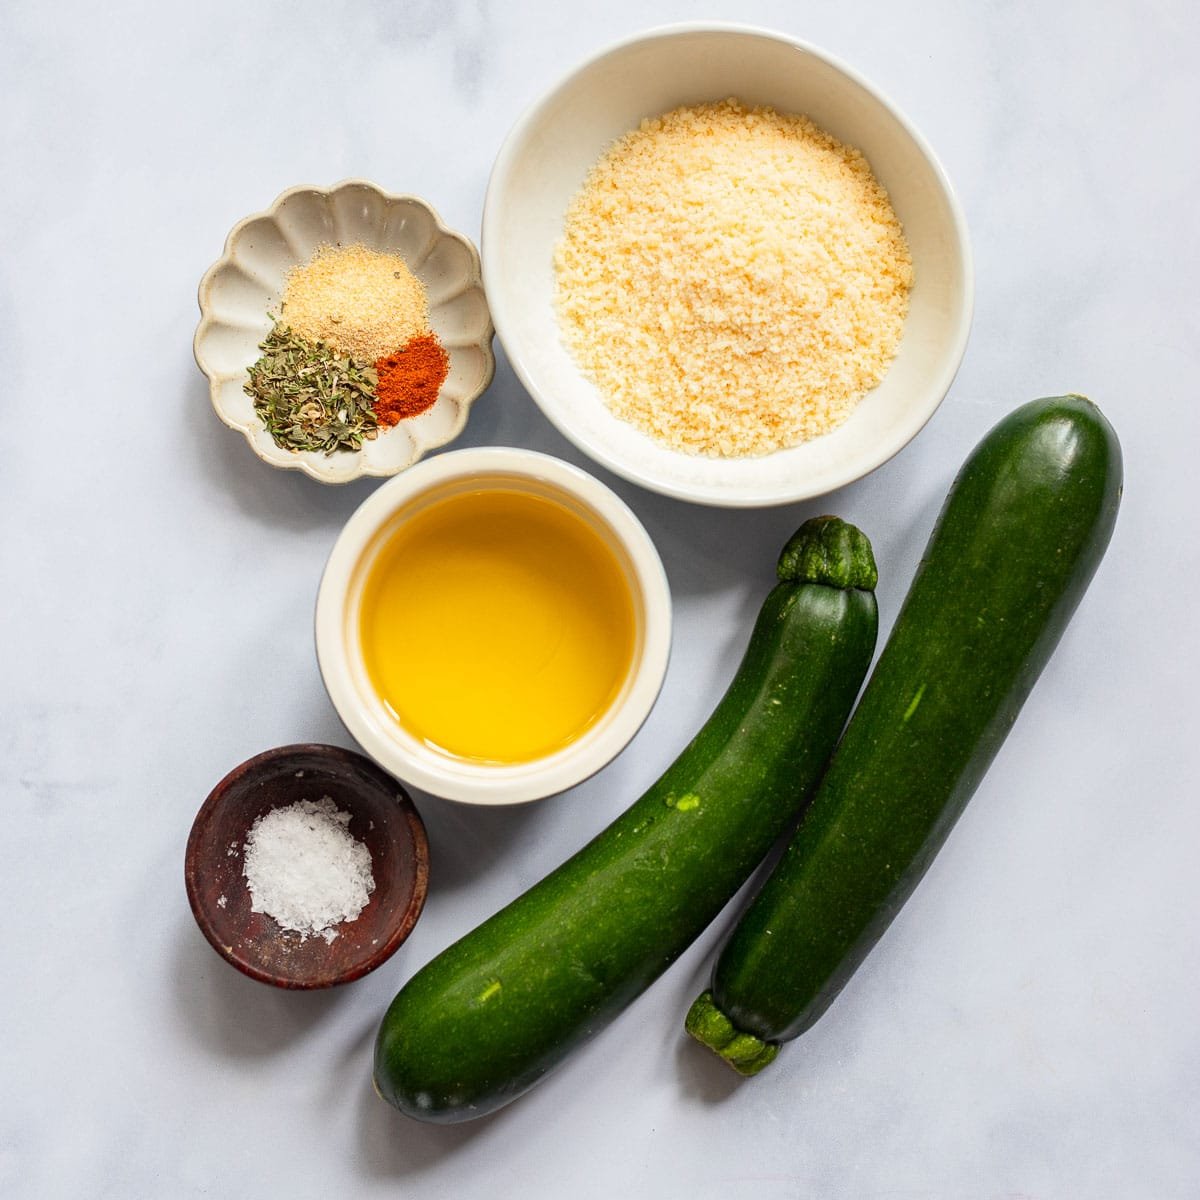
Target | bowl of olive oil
(493,626)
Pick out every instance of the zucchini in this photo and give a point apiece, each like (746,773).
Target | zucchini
(1017,542)
(492,1014)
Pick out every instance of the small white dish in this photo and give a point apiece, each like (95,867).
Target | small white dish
(246,283)
(544,161)
(339,599)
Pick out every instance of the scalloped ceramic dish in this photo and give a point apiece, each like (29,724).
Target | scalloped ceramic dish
(246,282)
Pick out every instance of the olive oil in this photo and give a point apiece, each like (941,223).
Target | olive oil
(497,625)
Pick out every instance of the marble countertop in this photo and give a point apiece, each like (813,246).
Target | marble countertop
(1026,1029)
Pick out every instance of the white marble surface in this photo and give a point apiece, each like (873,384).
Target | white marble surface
(1028,1026)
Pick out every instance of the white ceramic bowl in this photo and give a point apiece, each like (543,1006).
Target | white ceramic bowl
(246,283)
(550,150)
(340,596)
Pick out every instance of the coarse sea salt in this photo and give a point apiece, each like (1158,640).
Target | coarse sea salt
(305,869)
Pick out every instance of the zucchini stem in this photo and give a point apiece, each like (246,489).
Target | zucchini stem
(744,1052)
(831,551)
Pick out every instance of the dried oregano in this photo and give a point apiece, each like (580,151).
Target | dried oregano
(310,398)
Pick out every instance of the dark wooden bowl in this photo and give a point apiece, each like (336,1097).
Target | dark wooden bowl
(382,816)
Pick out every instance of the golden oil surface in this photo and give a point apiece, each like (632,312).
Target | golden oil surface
(497,626)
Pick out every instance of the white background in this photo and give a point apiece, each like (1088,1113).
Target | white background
(1027,1028)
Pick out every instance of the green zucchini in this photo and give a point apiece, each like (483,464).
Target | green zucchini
(1017,542)
(492,1014)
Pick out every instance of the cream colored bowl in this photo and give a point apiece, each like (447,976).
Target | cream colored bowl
(339,647)
(550,150)
(246,283)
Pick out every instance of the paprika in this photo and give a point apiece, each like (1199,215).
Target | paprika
(410,379)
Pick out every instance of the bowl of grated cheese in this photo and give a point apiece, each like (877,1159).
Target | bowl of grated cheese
(726,267)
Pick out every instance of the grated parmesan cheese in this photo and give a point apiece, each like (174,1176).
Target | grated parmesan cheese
(305,869)
(733,280)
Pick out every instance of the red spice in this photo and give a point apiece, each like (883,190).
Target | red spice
(410,379)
